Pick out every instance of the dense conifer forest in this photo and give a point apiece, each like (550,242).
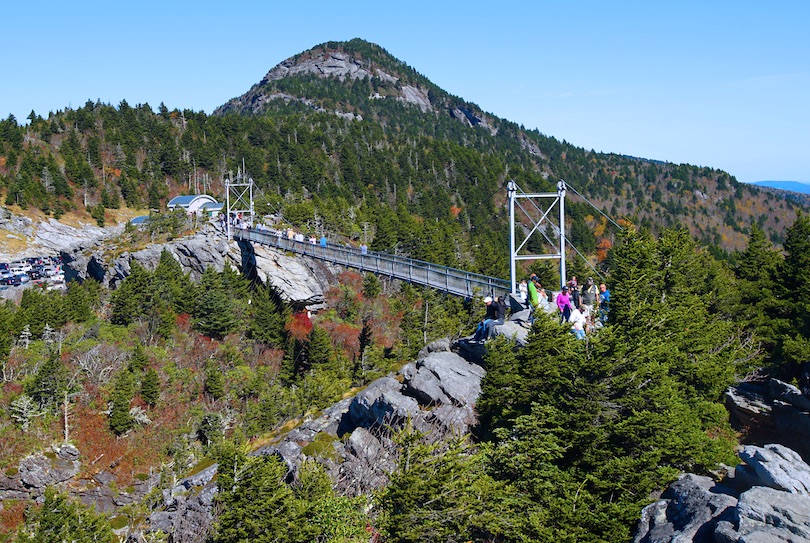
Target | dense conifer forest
(165,375)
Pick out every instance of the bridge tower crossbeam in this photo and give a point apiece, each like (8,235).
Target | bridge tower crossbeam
(516,198)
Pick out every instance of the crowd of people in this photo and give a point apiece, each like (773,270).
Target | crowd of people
(584,307)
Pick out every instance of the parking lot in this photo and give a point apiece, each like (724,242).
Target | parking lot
(39,271)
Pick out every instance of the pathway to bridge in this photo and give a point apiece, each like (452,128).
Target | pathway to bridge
(449,280)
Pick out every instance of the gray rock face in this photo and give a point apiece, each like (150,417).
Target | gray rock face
(189,518)
(766,500)
(773,466)
(42,470)
(689,506)
(514,331)
(48,237)
(773,412)
(765,515)
(789,394)
(300,280)
(459,380)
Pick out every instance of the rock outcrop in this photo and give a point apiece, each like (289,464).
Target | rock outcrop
(765,499)
(38,471)
(46,237)
(436,394)
(298,280)
(771,412)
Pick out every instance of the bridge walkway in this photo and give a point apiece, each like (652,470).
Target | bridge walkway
(450,280)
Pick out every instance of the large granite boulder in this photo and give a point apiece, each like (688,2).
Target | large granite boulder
(691,506)
(773,466)
(39,471)
(766,515)
(771,412)
(298,280)
(764,500)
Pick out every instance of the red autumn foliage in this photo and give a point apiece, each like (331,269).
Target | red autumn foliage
(11,516)
(351,279)
(299,326)
(267,357)
(602,249)
(344,336)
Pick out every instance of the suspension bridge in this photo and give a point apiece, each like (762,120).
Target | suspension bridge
(537,208)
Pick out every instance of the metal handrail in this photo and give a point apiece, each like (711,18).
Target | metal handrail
(450,280)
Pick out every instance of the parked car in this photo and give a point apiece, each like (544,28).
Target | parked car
(11,280)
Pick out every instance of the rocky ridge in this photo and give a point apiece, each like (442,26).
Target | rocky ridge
(436,394)
(299,280)
(47,236)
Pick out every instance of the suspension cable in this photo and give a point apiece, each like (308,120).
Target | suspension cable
(593,206)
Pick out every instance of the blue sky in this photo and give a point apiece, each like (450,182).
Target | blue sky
(722,84)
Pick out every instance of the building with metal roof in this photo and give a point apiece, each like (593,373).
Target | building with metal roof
(190,203)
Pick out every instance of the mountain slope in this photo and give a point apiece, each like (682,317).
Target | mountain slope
(361,81)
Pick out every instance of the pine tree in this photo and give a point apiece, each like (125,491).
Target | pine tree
(120,419)
(138,360)
(254,502)
(320,354)
(214,380)
(371,286)
(213,315)
(150,387)
(793,344)
(60,519)
(439,493)
(50,382)
(267,317)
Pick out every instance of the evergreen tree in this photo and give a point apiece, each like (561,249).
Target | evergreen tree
(49,383)
(214,380)
(439,493)
(150,387)
(212,313)
(793,343)
(267,316)
(59,519)
(320,355)
(120,419)
(134,297)
(254,502)
(139,360)
(371,286)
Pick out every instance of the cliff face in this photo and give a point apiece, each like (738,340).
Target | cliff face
(300,281)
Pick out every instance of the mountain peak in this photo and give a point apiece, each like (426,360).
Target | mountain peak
(353,79)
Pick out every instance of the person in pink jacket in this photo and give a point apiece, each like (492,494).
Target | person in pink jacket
(564,304)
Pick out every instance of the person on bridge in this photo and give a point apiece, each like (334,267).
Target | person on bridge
(323,240)
(363,249)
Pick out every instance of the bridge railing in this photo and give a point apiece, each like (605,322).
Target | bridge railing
(450,280)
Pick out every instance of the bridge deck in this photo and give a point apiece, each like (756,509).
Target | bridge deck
(449,280)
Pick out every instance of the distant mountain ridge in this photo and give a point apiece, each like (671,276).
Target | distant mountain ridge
(793,186)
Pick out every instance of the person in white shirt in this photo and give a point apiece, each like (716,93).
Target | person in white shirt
(578,323)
